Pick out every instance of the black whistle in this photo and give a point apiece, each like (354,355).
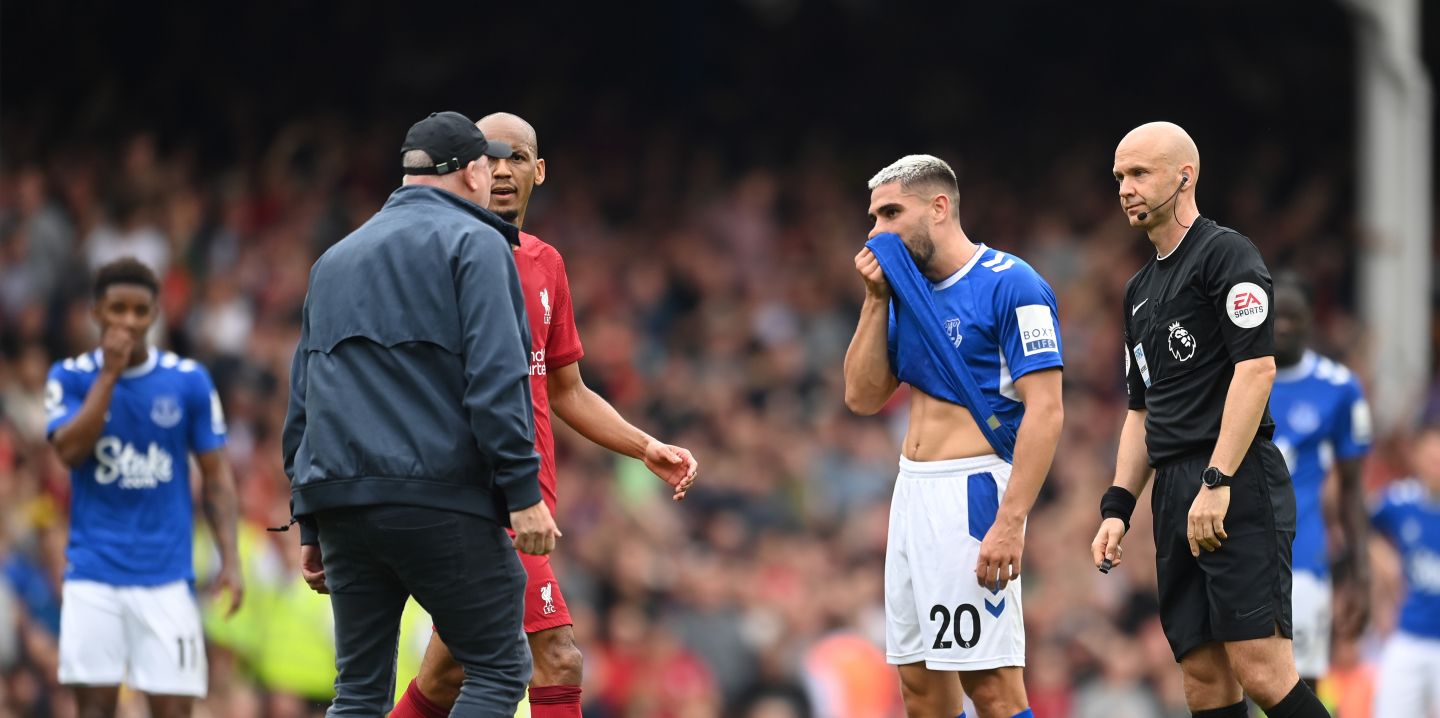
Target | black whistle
(1105,566)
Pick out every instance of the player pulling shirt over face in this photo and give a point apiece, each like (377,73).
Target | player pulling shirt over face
(973,331)
(998,314)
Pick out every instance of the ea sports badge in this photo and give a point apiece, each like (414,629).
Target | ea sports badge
(1247,305)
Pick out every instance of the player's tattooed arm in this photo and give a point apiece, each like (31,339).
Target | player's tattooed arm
(221,508)
(1352,604)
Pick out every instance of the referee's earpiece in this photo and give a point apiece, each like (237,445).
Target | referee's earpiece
(1184,179)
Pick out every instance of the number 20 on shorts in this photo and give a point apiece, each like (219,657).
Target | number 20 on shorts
(946,625)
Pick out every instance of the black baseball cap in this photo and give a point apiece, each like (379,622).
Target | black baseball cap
(452,141)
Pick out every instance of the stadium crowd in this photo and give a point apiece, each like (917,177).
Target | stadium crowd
(715,306)
(715,291)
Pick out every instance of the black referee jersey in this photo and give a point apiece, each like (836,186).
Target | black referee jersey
(1189,318)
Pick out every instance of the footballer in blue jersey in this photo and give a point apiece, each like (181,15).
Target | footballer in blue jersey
(1321,423)
(126,418)
(1408,517)
(999,314)
(958,502)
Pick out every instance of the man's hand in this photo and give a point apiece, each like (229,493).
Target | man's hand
(312,569)
(535,529)
(869,268)
(229,580)
(1207,519)
(1352,608)
(116,346)
(1000,552)
(674,465)
(1106,546)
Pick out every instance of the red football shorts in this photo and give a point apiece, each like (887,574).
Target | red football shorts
(544,604)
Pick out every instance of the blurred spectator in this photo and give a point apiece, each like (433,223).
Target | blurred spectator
(39,247)
(716,296)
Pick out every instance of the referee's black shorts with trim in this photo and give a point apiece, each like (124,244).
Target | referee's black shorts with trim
(1241,591)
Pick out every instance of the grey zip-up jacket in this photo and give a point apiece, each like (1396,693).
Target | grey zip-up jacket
(411,381)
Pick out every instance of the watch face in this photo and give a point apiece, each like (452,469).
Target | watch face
(1211,477)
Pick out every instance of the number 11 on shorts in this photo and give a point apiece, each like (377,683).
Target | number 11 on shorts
(194,653)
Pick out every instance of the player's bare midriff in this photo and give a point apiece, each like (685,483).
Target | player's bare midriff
(940,430)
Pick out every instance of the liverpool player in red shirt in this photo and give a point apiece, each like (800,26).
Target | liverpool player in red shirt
(555,383)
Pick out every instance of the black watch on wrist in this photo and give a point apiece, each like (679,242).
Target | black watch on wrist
(1213,479)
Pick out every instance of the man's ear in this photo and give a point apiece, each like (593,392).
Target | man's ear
(941,207)
(472,173)
(1188,174)
(540,171)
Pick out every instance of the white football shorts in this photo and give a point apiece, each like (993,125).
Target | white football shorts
(1310,601)
(1408,681)
(145,637)
(935,610)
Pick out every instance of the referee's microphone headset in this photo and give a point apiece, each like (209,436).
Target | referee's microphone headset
(1142,216)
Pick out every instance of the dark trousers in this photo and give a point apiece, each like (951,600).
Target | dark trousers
(461,568)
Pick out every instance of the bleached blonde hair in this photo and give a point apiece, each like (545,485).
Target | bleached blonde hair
(912,170)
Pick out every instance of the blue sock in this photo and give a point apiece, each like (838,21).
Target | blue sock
(1024,714)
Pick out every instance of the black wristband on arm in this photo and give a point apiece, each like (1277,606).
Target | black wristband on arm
(1117,503)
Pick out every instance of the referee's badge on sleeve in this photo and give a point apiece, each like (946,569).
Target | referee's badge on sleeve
(1141,365)
(1247,305)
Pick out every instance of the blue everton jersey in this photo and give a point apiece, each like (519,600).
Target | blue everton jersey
(130,512)
(1000,316)
(1409,517)
(1320,417)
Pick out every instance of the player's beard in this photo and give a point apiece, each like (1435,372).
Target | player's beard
(509,215)
(921,247)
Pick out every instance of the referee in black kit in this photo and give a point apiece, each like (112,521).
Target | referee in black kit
(1199,363)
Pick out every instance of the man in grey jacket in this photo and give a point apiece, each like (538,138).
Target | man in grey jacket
(409,439)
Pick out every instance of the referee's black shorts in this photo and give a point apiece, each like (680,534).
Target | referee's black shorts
(1242,590)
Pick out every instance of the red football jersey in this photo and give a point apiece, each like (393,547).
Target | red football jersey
(554,340)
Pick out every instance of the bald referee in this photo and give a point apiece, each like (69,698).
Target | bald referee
(1199,364)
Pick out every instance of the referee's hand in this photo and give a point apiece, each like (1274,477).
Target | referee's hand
(1106,546)
(1207,519)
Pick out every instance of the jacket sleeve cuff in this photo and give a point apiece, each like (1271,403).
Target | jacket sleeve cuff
(521,490)
(309,531)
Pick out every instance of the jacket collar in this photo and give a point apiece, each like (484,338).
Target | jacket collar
(419,194)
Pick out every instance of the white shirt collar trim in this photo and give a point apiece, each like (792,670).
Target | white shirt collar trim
(152,358)
(960,273)
(1176,248)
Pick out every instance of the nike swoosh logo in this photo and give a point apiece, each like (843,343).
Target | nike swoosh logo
(1248,614)
(1136,308)
(995,609)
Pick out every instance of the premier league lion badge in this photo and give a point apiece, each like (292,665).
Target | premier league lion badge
(1182,342)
